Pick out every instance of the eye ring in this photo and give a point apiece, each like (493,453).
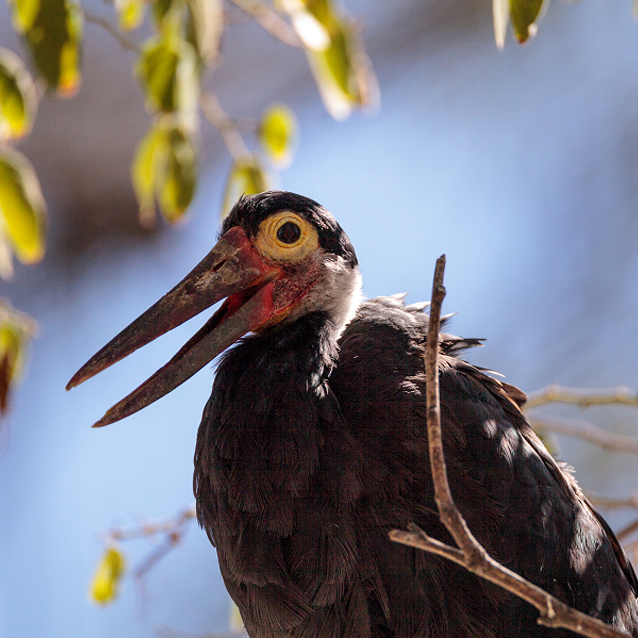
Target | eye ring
(289,233)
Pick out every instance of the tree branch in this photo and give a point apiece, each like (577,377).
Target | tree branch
(126,43)
(583,430)
(229,131)
(583,398)
(270,21)
(471,554)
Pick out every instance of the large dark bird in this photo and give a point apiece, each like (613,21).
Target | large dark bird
(313,446)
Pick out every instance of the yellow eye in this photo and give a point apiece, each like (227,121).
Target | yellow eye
(286,236)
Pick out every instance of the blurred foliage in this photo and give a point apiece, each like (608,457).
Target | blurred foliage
(523,15)
(108,575)
(16,331)
(247,177)
(278,134)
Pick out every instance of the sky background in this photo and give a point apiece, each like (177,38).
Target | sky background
(520,165)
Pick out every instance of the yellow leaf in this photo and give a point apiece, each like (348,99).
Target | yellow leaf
(144,171)
(310,30)
(53,31)
(277,133)
(18,102)
(107,578)
(247,177)
(16,330)
(525,14)
(130,13)
(206,25)
(176,175)
(168,71)
(22,206)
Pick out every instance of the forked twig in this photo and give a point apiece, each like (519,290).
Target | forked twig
(584,398)
(471,554)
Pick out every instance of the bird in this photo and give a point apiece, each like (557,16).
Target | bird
(313,446)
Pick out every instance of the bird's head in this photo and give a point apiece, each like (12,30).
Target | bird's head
(280,256)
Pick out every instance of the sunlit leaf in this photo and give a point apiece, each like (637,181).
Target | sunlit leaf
(22,207)
(165,167)
(205,27)
(16,330)
(235,622)
(247,177)
(18,102)
(501,13)
(24,13)
(130,13)
(524,16)
(168,71)
(310,30)
(53,31)
(107,578)
(176,175)
(144,171)
(277,134)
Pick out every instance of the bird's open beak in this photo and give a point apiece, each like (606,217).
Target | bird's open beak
(233,269)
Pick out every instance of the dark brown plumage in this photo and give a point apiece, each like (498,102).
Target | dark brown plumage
(313,446)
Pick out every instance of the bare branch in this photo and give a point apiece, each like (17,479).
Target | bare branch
(583,430)
(229,130)
(584,398)
(607,502)
(471,554)
(147,530)
(270,21)
(126,43)
(628,530)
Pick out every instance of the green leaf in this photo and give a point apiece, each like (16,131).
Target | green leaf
(277,134)
(22,206)
(176,175)
(130,13)
(524,16)
(165,166)
(168,71)
(107,578)
(247,177)
(501,13)
(53,31)
(310,30)
(18,102)
(205,27)
(16,330)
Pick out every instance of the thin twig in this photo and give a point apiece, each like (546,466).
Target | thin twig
(471,554)
(229,131)
(583,430)
(270,21)
(583,398)
(628,530)
(127,43)
(608,502)
(147,530)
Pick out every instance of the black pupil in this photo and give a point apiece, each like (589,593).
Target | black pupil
(288,233)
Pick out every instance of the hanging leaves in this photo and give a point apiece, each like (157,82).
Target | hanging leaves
(18,103)
(247,177)
(277,134)
(335,54)
(523,14)
(53,32)
(22,207)
(16,331)
(168,72)
(130,13)
(108,575)
(165,168)
(204,27)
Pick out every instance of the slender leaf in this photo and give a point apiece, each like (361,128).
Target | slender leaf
(205,27)
(176,175)
(130,13)
(247,177)
(18,103)
(107,578)
(277,134)
(53,31)
(524,16)
(168,71)
(22,206)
